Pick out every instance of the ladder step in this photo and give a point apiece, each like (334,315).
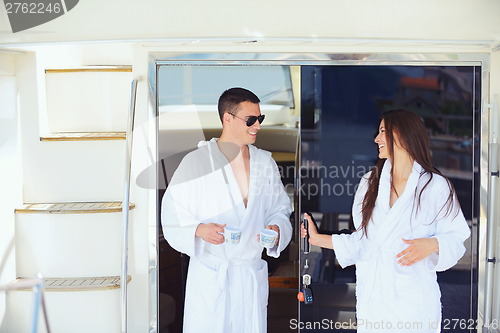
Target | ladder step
(74,284)
(84,136)
(72,208)
(93,69)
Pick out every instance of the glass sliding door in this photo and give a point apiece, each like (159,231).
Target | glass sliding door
(339,120)
(187,114)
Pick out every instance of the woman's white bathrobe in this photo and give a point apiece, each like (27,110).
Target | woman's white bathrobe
(390,297)
(227,284)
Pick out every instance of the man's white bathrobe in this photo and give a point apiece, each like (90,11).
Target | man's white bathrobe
(390,297)
(227,284)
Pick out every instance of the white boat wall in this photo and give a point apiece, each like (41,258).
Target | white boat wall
(65,95)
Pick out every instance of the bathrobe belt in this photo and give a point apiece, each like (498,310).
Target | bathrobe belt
(222,272)
(382,259)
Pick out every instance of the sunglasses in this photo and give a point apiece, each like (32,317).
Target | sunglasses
(251,119)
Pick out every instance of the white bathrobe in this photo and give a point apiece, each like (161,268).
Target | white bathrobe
(390,297)
(227,284)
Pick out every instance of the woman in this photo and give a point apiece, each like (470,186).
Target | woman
(409,226)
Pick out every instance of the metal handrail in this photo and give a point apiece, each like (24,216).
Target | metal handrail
(491,228)
(38,301)
(126,209)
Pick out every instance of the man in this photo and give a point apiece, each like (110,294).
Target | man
(227,182)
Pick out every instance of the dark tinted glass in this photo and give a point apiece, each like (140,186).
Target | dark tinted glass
(340,116)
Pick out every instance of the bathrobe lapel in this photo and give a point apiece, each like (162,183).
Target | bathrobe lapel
(231,183)
(402,210)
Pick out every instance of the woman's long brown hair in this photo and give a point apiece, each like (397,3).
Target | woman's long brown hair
(414,139)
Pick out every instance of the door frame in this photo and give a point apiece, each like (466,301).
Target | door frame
(158,59)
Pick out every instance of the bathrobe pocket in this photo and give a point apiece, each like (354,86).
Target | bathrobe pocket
(204,292)
(408,293)
(262,284)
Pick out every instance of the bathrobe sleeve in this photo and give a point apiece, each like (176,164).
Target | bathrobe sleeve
(348,247)
(451,229)
(179,209)
(280,210)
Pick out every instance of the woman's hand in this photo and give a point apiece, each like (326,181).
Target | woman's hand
(313,231)
(418,249)
(315,238)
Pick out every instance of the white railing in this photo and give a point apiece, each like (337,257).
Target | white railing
(491,228)
(126,209)
(38,302)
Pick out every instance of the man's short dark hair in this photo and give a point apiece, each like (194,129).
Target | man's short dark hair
(231,98)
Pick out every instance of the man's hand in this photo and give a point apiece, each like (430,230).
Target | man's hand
(275,228)
(420,248)
(211,232)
